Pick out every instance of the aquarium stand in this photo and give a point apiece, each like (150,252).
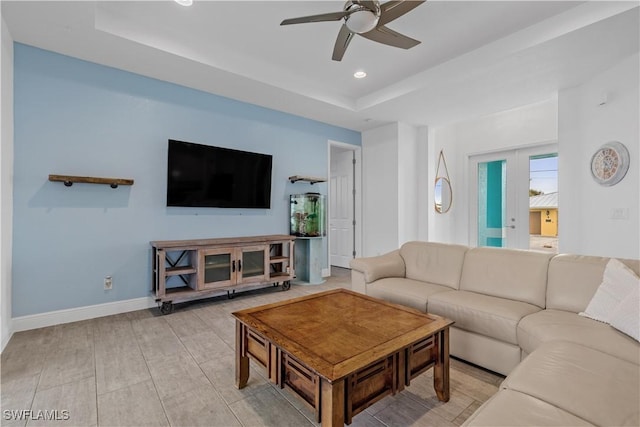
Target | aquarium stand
(308,260)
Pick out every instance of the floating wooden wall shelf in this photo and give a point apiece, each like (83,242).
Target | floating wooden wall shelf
(310,179)
(68,180)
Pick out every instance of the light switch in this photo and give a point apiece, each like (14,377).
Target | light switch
(620,213)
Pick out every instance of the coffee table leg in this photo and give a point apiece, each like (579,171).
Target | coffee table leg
(242,360)
(441,369)
(332,403)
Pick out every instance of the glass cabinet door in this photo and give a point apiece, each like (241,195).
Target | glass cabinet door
(218,267)
(253,267)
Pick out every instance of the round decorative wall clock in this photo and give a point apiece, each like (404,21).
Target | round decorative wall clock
(609,164)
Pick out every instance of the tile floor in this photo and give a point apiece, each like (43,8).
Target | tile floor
(145,369)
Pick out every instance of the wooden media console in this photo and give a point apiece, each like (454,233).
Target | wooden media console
(185,270)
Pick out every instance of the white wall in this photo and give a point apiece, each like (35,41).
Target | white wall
(520,127)
(394,186)
(583,127)
(425,185)
(407,183)
(6,180)
(380,190)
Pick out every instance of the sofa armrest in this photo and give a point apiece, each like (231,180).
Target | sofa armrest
(357,282)
(379,267)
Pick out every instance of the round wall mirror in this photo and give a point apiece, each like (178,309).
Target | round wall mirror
(443,195)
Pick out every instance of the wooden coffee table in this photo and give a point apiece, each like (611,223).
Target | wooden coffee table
(341,351)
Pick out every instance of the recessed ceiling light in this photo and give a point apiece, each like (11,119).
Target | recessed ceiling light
(184,2)
(359,74)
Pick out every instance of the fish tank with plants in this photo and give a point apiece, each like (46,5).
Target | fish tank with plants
(308,215)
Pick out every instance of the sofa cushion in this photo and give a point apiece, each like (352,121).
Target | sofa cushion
(618,281)
(557,325)
(512,408)
(411,293)
(574,279)
(431,262)
(626,317)
(483,314)
(517,275)
(588,383)
(496,355)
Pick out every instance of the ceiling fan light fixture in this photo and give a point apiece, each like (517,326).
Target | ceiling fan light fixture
(362,20)
(367,18)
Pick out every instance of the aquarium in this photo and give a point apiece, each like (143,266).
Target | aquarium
(308,215)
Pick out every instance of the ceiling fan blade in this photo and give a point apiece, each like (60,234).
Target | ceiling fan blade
(342,42)
(335,16)
(369,4)
(396,8)
(389,37)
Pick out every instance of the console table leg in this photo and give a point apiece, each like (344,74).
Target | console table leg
(332,404)
(441,368)
(242,360)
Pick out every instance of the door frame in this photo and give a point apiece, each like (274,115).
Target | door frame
(357,186)
(518,206)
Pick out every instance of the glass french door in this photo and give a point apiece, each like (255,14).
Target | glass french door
(493,213)
(499,196)
(492,203)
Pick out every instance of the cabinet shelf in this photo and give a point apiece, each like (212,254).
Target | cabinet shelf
(68,180)
(278,259)
(179,271)
(179,290)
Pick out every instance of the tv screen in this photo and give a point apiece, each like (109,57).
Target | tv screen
(204,176)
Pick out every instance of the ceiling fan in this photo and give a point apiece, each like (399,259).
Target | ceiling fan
(368,19)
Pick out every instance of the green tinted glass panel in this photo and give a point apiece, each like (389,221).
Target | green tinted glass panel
(217,268)
(491,203)
(252,263)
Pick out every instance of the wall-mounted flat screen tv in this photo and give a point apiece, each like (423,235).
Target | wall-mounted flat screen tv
(213,177)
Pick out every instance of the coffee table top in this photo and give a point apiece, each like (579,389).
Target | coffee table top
(337,332)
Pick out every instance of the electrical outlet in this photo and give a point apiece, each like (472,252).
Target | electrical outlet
(108,283)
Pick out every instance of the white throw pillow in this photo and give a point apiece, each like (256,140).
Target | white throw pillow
(626,316)
(618,281)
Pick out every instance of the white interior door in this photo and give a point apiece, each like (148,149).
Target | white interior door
(341,208)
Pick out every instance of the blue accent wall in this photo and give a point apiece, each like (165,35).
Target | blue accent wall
(74,117)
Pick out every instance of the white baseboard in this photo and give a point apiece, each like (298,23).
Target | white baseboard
(41,320)
(326,272)
(5,340)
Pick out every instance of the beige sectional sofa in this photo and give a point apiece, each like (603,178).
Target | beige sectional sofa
(516,313)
